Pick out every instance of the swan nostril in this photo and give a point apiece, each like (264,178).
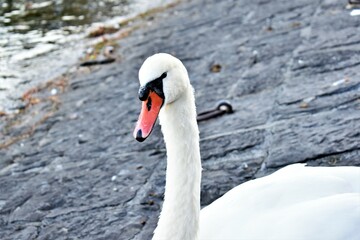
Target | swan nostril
(149,104)
(139,136)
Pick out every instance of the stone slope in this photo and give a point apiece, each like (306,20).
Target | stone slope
(290,69)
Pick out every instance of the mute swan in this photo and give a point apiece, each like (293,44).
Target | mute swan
(296,202)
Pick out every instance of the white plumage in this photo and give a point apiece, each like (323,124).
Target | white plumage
(296,202)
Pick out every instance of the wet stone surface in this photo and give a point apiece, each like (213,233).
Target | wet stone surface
(289,68)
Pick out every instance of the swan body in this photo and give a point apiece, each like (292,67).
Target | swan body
(296,202)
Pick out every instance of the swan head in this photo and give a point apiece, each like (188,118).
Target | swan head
(163,78)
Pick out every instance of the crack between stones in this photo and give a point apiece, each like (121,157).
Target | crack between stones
(319,156)
(335,92)
(339,68)
(228,151)
(333,48)
(355,87)
(102,206)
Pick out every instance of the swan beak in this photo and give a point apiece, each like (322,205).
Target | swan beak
(149,112)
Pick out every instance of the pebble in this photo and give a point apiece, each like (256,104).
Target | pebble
(339,82)
(53,91)
(83,138)
(355,12)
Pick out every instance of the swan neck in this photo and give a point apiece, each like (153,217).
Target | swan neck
(179,218)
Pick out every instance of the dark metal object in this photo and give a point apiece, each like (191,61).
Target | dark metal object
(354,1)
(222,107)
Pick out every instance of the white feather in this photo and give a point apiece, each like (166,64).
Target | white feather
(296,202)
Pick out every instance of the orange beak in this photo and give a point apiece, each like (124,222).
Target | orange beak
(149,112)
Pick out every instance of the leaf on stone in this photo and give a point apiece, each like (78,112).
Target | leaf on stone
(215,68)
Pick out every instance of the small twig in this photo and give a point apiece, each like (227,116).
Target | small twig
(97,62)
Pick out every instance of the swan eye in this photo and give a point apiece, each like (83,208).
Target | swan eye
(163,75)
(155,86)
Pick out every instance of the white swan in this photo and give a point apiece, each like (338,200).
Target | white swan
(296,202)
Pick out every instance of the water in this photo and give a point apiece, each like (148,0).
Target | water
(25,23)
(24,15)
(39,40)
